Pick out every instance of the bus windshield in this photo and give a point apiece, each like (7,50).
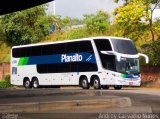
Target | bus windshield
(128,66)
(124,46)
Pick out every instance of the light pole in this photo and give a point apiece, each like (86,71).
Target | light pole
(54,7)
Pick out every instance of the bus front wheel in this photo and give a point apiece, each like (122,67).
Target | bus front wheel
(117,87)
(27,83)
(84,82)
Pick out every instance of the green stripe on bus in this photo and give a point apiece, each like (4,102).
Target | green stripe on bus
(20,61)
(23,61)
(123,75)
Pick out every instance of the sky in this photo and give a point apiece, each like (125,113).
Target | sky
(77,8)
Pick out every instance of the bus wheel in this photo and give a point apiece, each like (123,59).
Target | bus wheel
(35,83)
(84,82)
(117,87)
(105,87)
(96,83)
(27,83)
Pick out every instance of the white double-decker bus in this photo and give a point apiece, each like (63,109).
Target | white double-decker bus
(98,61)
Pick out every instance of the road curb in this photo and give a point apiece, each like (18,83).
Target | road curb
(65,105)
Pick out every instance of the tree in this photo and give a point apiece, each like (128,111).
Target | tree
(2,35)
(97,23)
(129,18)
(138,10)
(156,2)
(61,23)
(156,26)
(24,27)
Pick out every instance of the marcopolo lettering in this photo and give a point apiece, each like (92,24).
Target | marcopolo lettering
(71,58)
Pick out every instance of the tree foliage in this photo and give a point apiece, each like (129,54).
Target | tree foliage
(77,33)
(136,16)
(129,18)
(156,27)
(24,27)
(97,23)
(153,55)
(62,24)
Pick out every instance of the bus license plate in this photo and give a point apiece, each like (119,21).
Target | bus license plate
(130,83)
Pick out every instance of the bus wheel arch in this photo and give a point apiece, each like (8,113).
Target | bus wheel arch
(96,82)
(26,82)
(35,82)
(83,82)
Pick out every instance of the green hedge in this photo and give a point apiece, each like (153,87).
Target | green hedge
(5,83)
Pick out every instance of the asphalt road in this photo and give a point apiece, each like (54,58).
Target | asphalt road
(143,100)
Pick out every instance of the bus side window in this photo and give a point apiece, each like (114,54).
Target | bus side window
(103,45)
(59,48)
(108,62)
(47,49)
(14,70)
(85,46)
(21,52)
(16,52)
(71,47)
(36,51)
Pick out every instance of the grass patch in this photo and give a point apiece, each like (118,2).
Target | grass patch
(5,83)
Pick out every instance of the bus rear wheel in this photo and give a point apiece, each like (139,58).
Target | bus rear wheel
(84,82)
(117,87)
(35,83)
(96,83)
(27,83)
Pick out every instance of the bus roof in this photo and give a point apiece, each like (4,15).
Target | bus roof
(64,41)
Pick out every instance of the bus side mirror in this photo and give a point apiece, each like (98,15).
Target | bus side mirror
(145,56)
(112,53)
(107,52)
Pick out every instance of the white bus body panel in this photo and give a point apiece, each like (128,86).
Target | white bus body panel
(106,77)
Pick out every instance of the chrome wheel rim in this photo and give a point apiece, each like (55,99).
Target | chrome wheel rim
(84,83)
(96,83)
(35,84)
(27,83)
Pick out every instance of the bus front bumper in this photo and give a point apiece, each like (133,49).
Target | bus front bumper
(128,82)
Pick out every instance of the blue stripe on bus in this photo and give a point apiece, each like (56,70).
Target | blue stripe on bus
(51,59)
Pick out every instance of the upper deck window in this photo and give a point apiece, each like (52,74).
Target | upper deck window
(103,45)
(124,46)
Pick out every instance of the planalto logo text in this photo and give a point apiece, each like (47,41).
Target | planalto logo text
(71,58)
